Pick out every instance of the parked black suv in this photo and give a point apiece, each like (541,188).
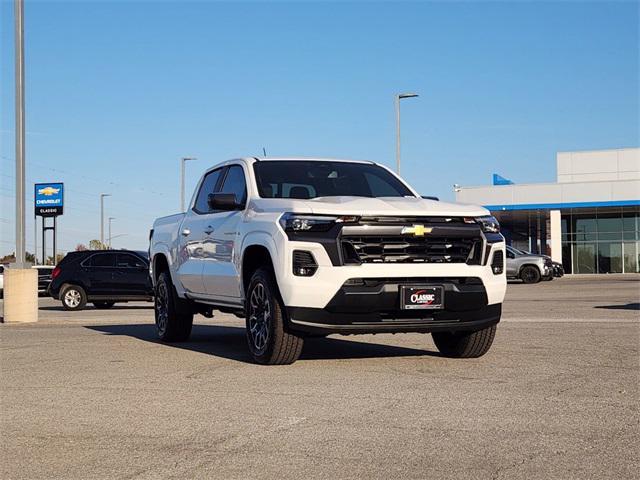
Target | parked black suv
(102,277)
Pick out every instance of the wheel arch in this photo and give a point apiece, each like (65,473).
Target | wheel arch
(524,265)
(254,255)
(159,264)
(80,284)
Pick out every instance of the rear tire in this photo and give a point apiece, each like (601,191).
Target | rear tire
(73,298)
(530,274)
(465,344)
(174,318)
(103,305)
(269,342)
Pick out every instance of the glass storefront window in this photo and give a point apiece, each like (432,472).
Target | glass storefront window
(584,258)
(608,236)
(609,223)
(602,240)
(585,225)
(630,257)
(630,221)
(609,257)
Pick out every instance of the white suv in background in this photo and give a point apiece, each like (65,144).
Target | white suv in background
(314,247)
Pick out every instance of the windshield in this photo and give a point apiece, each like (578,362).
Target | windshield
(306,179)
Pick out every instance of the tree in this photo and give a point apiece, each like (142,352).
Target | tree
(59,257)
(97,245)
(30,257)
(81,247)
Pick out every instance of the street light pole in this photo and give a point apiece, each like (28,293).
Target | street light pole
(183,160)
(21,257)
(102,195)
(110,237)
(398,97)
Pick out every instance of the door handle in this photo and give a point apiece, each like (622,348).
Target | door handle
(208,230)
(186,232)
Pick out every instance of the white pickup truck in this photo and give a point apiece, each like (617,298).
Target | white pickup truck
(311,247)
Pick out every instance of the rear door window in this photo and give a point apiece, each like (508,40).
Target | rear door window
(126,260)
(103,260)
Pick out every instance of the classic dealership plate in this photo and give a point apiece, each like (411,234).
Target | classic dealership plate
(421,297)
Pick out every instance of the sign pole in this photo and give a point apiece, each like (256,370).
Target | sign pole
(44,242)
(20,288)
(20,150)
(55,234)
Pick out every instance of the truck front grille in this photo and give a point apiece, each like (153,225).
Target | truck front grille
(405,249)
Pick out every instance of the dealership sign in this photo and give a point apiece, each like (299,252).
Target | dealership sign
(49,199)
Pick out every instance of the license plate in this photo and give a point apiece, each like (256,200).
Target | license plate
(415,298)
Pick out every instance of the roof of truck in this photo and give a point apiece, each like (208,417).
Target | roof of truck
(307,159)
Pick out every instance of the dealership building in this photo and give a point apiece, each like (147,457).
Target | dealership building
(588,219)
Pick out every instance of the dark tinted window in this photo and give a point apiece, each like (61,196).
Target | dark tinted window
(234,183)
(126,260)
(311,179)
(208,186)
(103,260)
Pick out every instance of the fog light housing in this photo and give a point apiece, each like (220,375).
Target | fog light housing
(497,264)
(304,265)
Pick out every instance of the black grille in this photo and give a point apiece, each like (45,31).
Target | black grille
(410,249)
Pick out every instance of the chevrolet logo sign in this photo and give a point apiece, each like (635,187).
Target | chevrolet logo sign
(48,191)
(416,230)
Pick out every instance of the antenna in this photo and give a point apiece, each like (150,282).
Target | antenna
(264,151)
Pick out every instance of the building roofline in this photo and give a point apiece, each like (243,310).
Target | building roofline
(561,205)
(462,187)
(598,150)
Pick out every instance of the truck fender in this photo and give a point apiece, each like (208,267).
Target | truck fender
(263,239)
(161,249)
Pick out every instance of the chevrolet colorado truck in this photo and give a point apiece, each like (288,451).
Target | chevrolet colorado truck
(312,247)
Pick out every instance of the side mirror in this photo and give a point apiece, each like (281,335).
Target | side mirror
(223,201)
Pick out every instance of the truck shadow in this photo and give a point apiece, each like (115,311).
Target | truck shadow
(230,342)
(628,306)
(124,306)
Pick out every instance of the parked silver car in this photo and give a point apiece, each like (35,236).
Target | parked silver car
(528,267)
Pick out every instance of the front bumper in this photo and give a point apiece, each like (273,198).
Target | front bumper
(373,306)
(318,290)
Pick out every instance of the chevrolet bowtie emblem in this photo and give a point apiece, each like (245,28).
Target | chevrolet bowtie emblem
(417,230)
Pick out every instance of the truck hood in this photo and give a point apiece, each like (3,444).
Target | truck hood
(387,206)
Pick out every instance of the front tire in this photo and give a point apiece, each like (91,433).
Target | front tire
(465,344)
(530,274)
(269,342)
(174,318)
(73,298)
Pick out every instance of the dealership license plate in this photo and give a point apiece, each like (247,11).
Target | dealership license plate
(415,298)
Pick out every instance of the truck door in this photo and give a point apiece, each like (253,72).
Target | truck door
(221,275)
(193,236)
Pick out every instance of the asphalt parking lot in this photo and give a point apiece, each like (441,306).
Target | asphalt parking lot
(92,395)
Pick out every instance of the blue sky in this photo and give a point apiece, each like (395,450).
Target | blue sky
(117,92)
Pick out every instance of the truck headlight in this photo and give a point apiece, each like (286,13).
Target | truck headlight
(294,222)
(488,224)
